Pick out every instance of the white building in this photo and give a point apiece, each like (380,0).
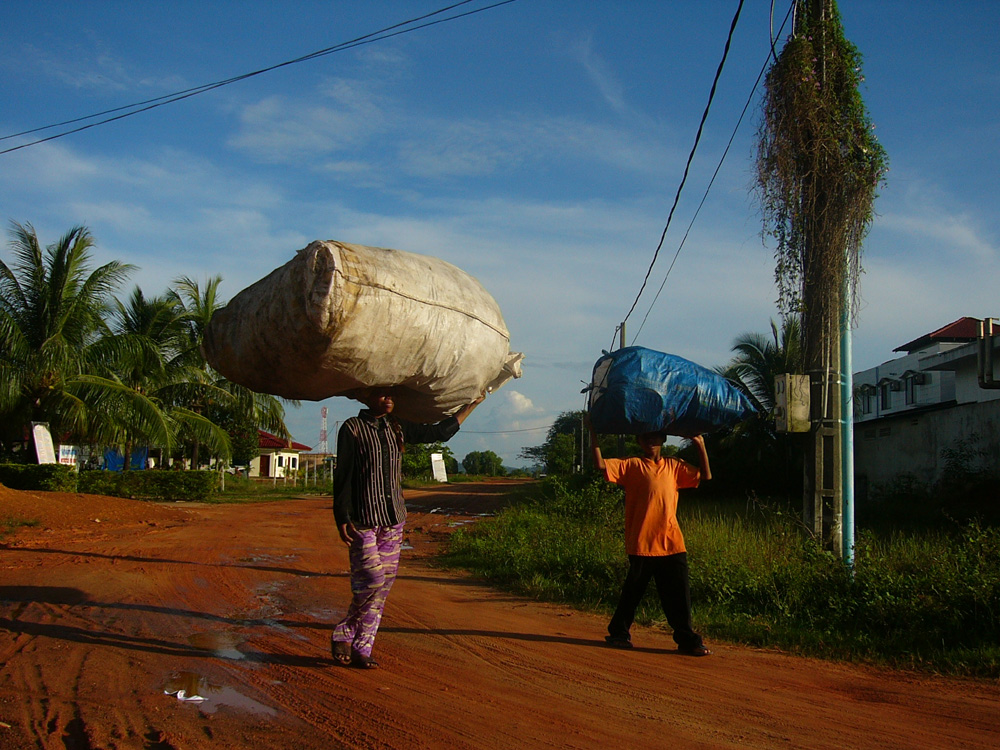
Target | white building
(910,410)
(278,458)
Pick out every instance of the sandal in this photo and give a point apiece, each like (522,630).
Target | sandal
(699,650)
(618,641)
(341,651)
(363,662)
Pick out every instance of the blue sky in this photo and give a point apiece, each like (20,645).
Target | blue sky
(537,145)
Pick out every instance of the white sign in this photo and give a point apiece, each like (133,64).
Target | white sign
(437,467)
(68,454)
(43,443)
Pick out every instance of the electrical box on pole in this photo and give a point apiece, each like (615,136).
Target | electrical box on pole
(791,403)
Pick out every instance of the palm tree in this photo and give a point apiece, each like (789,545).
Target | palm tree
(197,306)
(52,312)
(759,359)
(147,338)
(754,454)
(219,400)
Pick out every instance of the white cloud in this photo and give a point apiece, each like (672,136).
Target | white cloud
(411,144)
(47,166)
(460,149)
(280,129)
(902,301)
(959,232)
(518,404)
(86,63)
(600,75)
(935,222)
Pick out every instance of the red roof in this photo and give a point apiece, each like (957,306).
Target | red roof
(267,440)
(963,329)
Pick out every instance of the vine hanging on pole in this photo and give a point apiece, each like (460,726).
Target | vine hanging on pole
(819,163)
(819,166)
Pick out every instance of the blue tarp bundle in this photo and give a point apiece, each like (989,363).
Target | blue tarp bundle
(115,461)
(636,390)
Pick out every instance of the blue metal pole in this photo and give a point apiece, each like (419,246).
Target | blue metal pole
(847,431)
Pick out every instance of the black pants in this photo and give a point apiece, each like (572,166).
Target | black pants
(671,575)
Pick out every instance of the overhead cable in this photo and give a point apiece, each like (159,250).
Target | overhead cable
(714,175)
(144,106)
(687,167)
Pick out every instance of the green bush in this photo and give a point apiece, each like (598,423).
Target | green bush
(559,544)
(99,482)
(151,485)
(45,477)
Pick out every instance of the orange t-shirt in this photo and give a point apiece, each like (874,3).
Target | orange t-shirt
(651,501)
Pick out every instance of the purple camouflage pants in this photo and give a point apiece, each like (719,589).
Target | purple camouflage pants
(374,560)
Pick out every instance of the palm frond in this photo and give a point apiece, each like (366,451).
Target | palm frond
(205,431)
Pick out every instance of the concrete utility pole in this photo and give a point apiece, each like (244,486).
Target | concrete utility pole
(819,165)
(824,495)
(822,305)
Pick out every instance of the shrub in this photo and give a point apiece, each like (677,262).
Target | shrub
(151,485)
(558,545)
(45,477)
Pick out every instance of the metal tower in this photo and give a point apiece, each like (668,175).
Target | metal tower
(323,447)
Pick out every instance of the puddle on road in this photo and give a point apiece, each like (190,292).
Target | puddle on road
(326,614)
(265,557)
(191,687)
(223,645)
(448,511)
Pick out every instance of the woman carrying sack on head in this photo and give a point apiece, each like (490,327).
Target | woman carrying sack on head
(370,513)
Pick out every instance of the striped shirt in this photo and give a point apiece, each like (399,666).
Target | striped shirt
(366,484)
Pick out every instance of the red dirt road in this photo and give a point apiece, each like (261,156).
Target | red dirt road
(109,605)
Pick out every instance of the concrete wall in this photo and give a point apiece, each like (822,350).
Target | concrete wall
(914,443)
(967,385)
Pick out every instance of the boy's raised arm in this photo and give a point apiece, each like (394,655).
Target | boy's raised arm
(595,446)
(706,469)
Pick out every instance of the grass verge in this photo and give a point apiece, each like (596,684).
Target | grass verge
(926,600)
(244,490)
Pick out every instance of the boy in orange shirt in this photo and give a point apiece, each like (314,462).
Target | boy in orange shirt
(653,539)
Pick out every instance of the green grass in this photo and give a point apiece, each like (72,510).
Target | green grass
(418,483)
(928,600)
(11,524)
(245,490)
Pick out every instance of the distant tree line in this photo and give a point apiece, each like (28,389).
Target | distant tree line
(416,461)
(109,371)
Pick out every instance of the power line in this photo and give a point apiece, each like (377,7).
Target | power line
(687,167)
(209,86)
(714,174)
(148,104)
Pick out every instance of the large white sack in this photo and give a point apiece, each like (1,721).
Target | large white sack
(340,319)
